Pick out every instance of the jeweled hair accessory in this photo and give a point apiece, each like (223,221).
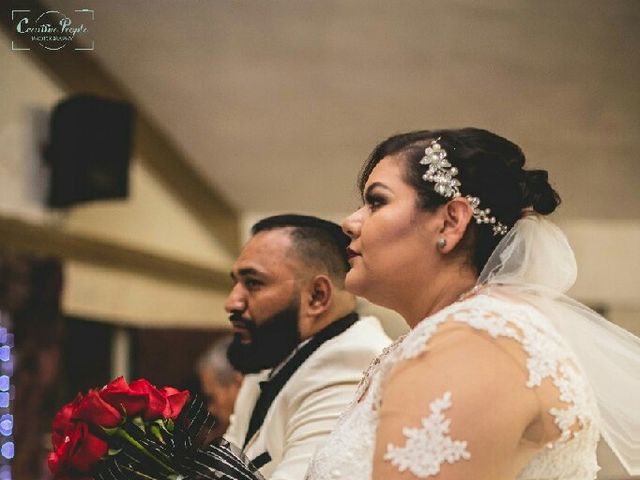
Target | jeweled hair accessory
(443,175)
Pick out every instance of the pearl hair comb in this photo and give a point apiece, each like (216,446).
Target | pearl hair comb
(442,174)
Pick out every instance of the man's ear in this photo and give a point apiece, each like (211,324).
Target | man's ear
(318,295)
(456,214)
(237,379)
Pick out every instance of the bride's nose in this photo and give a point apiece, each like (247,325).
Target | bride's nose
(351,224)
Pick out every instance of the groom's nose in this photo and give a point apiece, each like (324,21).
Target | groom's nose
(236,301)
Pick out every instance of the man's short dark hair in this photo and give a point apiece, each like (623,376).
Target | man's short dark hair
(318,242)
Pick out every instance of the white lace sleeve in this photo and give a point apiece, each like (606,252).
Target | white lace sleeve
(503,373)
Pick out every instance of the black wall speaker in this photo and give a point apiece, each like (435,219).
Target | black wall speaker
(89,150)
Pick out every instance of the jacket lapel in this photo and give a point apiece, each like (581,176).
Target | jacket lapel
(270,388)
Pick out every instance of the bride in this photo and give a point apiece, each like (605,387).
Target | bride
(501,376)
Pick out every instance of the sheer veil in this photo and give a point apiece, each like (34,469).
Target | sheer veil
(535,263)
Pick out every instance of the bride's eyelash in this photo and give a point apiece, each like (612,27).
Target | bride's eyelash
(374,201)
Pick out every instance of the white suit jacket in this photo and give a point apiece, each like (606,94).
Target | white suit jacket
(304,412)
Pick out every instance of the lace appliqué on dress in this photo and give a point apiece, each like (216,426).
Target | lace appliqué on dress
(546,355)
(430,446)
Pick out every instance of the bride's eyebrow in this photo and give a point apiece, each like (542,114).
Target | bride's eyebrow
(372,186)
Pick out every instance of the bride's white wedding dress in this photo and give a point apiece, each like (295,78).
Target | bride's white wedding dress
(428,445)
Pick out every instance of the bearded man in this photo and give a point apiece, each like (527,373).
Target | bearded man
(297,338)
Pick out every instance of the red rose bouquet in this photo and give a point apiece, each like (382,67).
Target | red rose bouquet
(137,431)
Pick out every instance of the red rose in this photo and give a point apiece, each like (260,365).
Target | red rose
(119,395)
(58,462)
(175,401)
(79,451)
(93,409)
(156,401)
(62,421)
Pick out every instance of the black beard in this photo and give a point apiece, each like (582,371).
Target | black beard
(271,342)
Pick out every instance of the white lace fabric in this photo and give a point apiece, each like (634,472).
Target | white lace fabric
(430,445)
(348,454)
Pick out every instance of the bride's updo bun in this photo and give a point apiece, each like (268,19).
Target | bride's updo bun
(538,193)
(490,167)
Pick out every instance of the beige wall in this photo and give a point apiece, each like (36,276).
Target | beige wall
(151,219)
(608,260)
(128,299)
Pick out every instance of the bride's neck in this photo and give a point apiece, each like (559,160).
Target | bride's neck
(437,293)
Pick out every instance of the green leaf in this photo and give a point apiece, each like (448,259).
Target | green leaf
(169,425)
(112,452)
(162,424)
(139,422)
(155,431)
(110,431)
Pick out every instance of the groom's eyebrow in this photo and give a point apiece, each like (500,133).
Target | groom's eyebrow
(244,272)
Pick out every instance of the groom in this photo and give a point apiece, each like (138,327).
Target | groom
(298,339)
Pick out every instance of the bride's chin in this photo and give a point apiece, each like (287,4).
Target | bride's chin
(363,288)
(354,284)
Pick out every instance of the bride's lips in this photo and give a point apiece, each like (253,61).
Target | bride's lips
(352,253)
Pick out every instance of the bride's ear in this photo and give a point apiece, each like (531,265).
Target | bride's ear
(457,214)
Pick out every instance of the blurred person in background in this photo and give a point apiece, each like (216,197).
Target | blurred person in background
(220,382)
